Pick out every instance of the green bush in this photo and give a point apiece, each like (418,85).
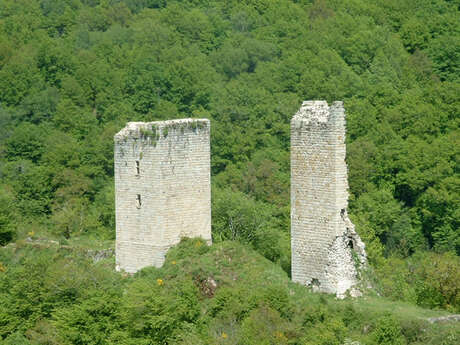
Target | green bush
(427,279)
(263,326)
(7,217)
(224,294)
(387,331)
(157,309)
(236,216)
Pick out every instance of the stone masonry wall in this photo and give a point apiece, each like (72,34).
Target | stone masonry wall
(162,189)
(325,247)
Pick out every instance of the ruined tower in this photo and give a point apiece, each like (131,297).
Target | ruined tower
(162,189)
(326,250)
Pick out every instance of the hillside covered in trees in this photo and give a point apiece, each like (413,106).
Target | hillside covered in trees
(73,72)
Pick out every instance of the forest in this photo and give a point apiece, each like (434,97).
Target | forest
(73,72)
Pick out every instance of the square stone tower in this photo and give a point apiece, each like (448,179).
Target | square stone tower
(162,189)
(326,250)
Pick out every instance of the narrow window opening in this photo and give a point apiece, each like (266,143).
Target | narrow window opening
(350,244)
(138,169)
(138,201)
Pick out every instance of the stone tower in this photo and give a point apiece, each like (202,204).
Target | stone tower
(326,250)
(162,189)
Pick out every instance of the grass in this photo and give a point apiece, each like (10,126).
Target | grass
(404,311)
(237,292)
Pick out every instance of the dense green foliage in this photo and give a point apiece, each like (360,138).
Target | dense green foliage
(73,72)
(426,279)
(223,294)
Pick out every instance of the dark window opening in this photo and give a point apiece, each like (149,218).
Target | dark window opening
(350,244)
(138,201)
(138,169)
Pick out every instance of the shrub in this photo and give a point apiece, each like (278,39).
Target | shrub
(239,217)
(387,331)
(264,326)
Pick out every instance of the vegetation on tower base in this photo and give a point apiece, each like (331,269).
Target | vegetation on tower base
(220,294)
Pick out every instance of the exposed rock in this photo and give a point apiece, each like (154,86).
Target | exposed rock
(454,317)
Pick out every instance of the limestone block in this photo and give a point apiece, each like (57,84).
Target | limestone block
(326,250)
(162,189)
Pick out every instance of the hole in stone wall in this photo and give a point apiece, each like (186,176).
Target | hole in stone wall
(138,169)
(315,282)
(138,201)
(350,243)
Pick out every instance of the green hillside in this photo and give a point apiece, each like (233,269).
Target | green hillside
(73,72)
(223,294)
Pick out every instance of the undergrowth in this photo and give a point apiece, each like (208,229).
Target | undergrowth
(226,293)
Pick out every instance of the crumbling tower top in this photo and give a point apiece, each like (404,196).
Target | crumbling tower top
(323,239)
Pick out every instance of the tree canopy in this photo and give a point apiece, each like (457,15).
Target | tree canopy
(73,72)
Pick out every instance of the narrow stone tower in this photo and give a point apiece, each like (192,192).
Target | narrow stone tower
(326,250)
(162,189)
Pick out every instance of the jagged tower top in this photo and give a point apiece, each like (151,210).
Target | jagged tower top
(318,112)
(138,129)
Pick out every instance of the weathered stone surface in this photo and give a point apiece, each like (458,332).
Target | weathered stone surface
(326,250)
(162,189)
(448,318)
